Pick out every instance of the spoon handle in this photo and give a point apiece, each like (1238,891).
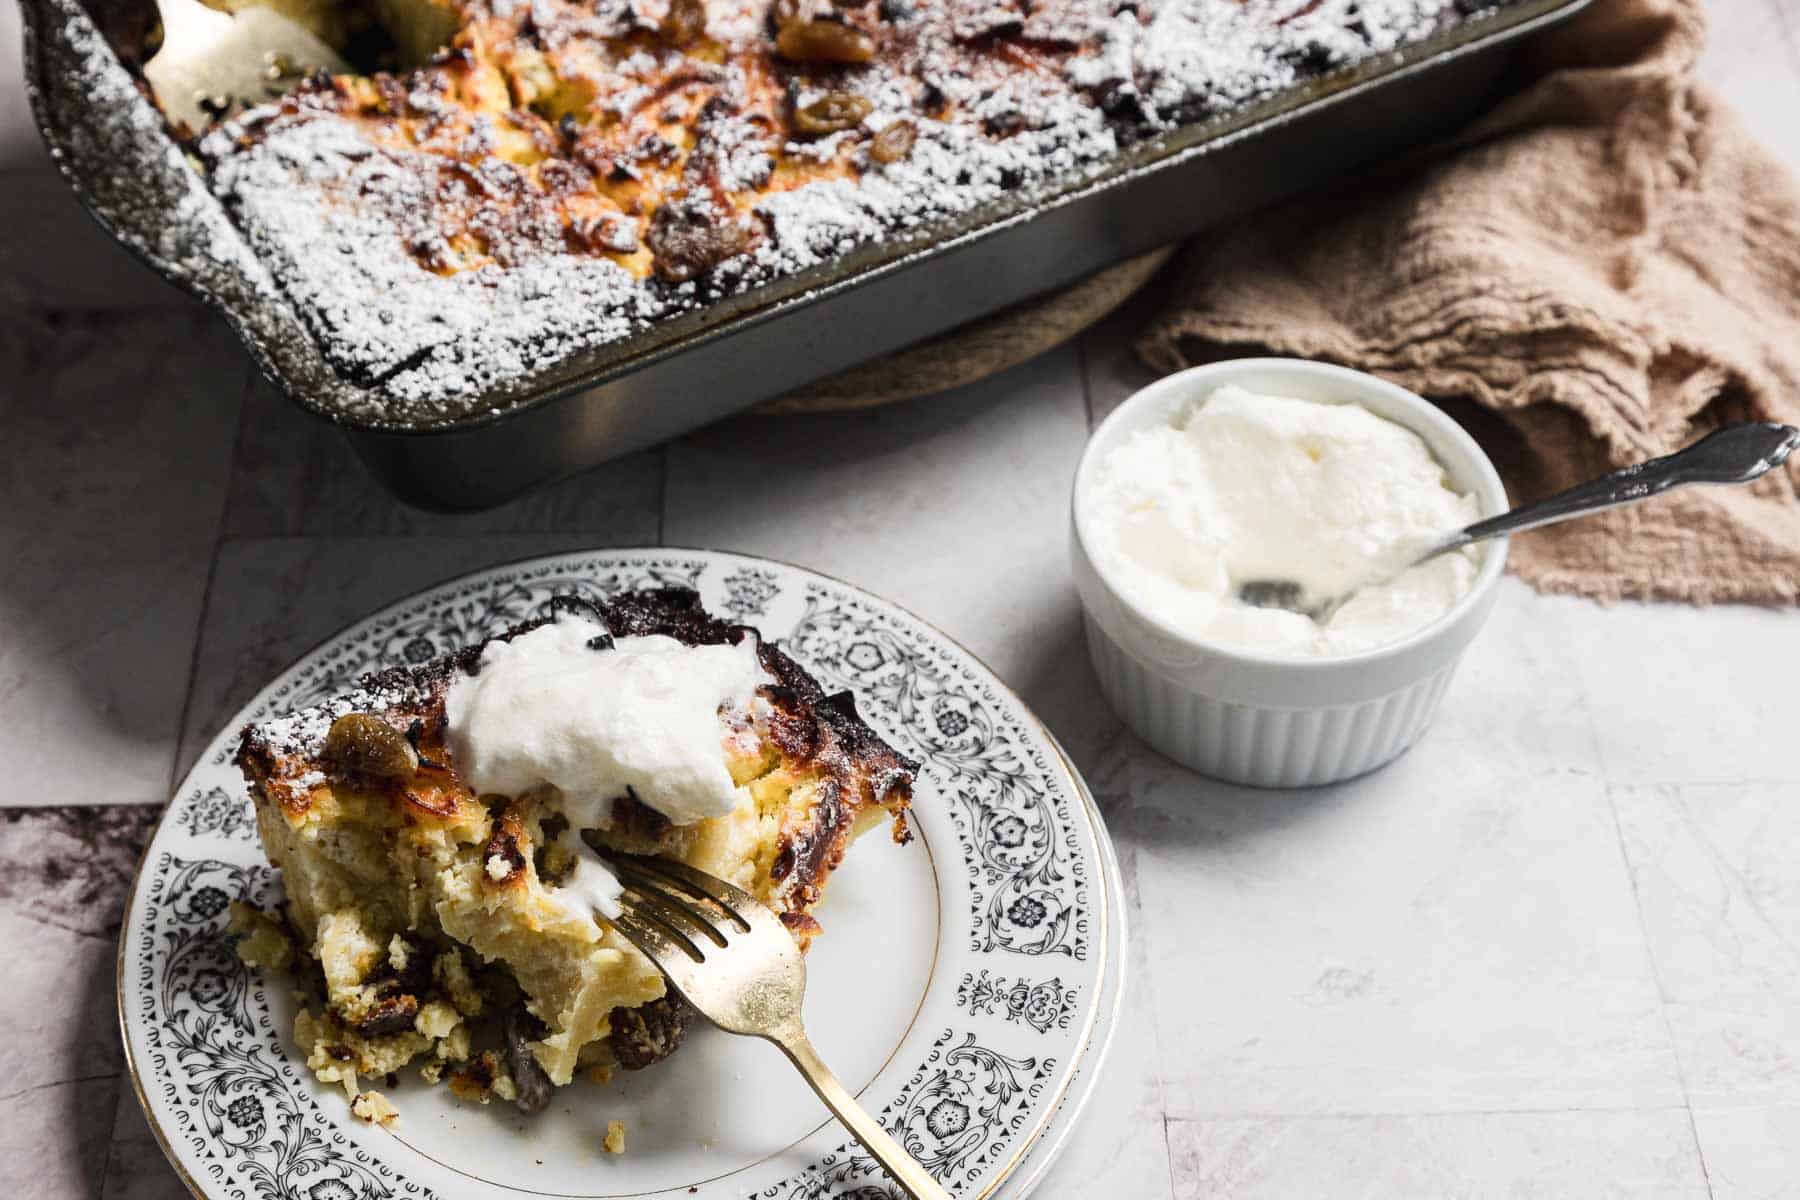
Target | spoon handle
(1734,454)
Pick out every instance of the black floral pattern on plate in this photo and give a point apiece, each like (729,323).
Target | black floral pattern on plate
(957,1117)
(239,1100)
(1018,837)
(1043,1005)
(243,1105)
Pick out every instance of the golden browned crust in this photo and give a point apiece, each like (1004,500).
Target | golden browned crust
(604,131)
(816,734)
(377,757)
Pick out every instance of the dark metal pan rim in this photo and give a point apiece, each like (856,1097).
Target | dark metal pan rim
(325,393)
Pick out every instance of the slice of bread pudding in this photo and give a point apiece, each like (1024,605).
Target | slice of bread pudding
(468,926)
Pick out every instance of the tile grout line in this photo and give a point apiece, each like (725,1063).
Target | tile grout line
(1400,1114)
(55,1083)
(212,571)
(187,699)
(1656,977)
(1137,953)
(1662,992)
(1137,946)
(1169,1150)
(112,1141)
(1608,787)
(1722,781)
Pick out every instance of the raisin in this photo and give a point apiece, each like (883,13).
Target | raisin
(1003,124)
(894,142)
(823,42)
(362,744)
(649,1033)
(689,237)
(389,1015)
(832,112)
(685,23)
(529,1080)
(633,818)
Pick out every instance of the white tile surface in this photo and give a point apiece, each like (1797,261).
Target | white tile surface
(118,437)
(1753,57)
(1454,933)
(1521,1156)
(1751,1153)
(954,506)
(1683,694)
(1715,871)
(1110,365)
(1121,1148)
(1502,967)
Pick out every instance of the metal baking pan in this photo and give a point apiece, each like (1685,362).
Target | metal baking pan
(570,415)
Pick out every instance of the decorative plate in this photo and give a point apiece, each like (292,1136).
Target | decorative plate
(965,986)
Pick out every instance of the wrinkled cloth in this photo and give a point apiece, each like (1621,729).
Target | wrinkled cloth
(1601,269)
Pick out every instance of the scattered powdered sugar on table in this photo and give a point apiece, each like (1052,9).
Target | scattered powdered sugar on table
(332,214)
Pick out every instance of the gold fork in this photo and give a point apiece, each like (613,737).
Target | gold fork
(731,958)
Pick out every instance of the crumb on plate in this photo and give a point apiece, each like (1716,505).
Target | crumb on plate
(374,1109)
(262,938)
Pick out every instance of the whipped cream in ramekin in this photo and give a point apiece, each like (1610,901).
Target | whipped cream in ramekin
(1240,486)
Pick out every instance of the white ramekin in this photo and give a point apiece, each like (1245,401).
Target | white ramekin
(1259,719)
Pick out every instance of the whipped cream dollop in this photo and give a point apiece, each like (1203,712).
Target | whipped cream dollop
(1241,486)
(568,710)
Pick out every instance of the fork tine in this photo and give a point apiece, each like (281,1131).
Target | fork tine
(670,909)
(647,879)
(728,897)
(665,942)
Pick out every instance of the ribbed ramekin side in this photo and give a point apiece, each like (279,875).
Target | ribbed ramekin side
(1259,746)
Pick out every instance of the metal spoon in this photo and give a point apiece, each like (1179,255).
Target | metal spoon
(1734,454)
(212,62)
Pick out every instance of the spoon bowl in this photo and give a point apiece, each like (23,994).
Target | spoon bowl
(213,63)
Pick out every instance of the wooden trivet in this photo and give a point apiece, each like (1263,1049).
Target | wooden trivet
(978,349)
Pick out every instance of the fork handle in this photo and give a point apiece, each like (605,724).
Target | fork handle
(913,1178)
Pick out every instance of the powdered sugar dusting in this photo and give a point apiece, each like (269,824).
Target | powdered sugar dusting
(301,734)
(341,220)
(333,214)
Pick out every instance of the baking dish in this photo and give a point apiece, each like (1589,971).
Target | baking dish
(571,412)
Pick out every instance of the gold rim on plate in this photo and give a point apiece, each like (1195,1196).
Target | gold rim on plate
(1071,777)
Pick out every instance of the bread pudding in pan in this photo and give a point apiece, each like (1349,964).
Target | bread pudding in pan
(508,183)
(437,829)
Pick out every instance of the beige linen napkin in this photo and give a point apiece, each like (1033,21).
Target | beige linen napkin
(1606,265)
